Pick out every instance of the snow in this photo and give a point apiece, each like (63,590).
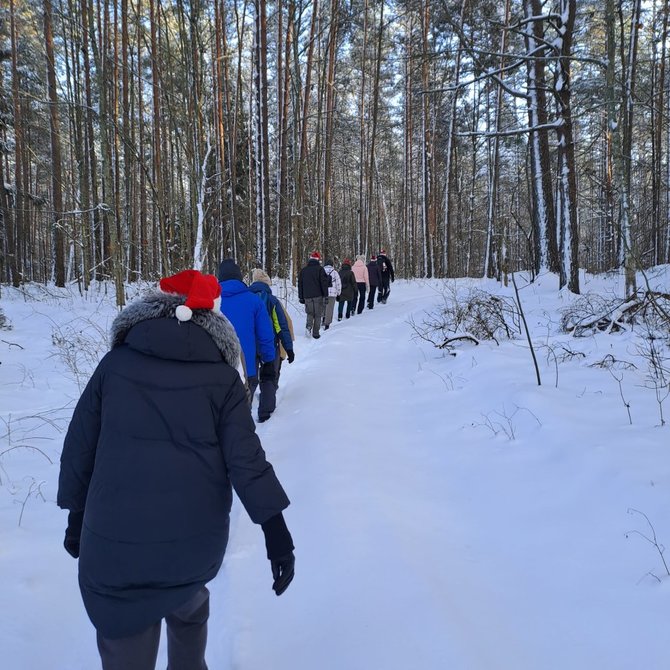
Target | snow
(447,511)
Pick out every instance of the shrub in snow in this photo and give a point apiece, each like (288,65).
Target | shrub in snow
(80,349)
(591,313)
(4,323)
(475,315)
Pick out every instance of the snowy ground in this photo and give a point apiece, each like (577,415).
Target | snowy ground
(447,512)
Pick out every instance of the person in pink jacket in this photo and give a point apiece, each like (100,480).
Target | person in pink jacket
(360,271)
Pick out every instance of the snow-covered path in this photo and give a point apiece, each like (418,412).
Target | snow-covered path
(446,512)
(412,527)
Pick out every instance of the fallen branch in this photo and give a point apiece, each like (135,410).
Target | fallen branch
(449,340)
(593,314)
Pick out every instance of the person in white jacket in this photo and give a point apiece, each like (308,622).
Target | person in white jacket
(334,289)
(360,271)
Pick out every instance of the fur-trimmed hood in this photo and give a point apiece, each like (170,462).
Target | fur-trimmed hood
(170,338)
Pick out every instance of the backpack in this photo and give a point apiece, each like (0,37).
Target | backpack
(330,278)
(272,312)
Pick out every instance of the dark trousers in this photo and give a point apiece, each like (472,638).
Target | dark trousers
(371,297)
(361,296)
(267,400)
(186,641)
(384,289)
(351,305)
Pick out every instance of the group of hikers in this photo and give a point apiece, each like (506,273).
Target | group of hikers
(320,287)
(264,327)
(163,433)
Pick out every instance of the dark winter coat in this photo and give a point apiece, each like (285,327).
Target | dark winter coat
(374,273)
(385,268)
(312,281)
(349,288)
(275,310)
(251,322)
(160,434)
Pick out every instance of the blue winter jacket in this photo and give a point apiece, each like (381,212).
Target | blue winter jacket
(251,321)
(159,435)
(264,292)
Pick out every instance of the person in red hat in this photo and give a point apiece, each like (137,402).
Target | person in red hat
(160,437)
(313,293)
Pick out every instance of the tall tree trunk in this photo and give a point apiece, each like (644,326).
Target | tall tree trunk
(362,163)
(160,204)
(373,130)
(492,261)
(299,220)
(264,241)
(427,209)
(14,233)
(544,216)
(283,252)
(54,137)
(330,118)
(448,254)
(108,218)
(621,131)
(7,269)
(408,246)
(628,253)
(567,179)
(91,165)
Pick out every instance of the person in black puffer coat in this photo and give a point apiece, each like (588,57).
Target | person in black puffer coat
(387,276)
(375,280)
(349,291)
(313,293)
(159,438)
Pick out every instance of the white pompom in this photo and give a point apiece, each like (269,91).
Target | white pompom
(183,313)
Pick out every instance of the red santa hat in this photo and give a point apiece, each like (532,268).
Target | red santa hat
(382,252)
(315,256)
(201,291)
(373,257)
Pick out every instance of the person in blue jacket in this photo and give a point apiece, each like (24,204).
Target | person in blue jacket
(262,287)
(160,437)
(253,326)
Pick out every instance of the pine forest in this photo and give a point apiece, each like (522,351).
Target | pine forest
(466,137)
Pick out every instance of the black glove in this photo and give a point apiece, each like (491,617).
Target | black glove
(267,372)
(73,533)
(301,301)
(279,545)
(283,571)
(290,355)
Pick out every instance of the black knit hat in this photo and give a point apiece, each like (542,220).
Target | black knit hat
(229,269)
